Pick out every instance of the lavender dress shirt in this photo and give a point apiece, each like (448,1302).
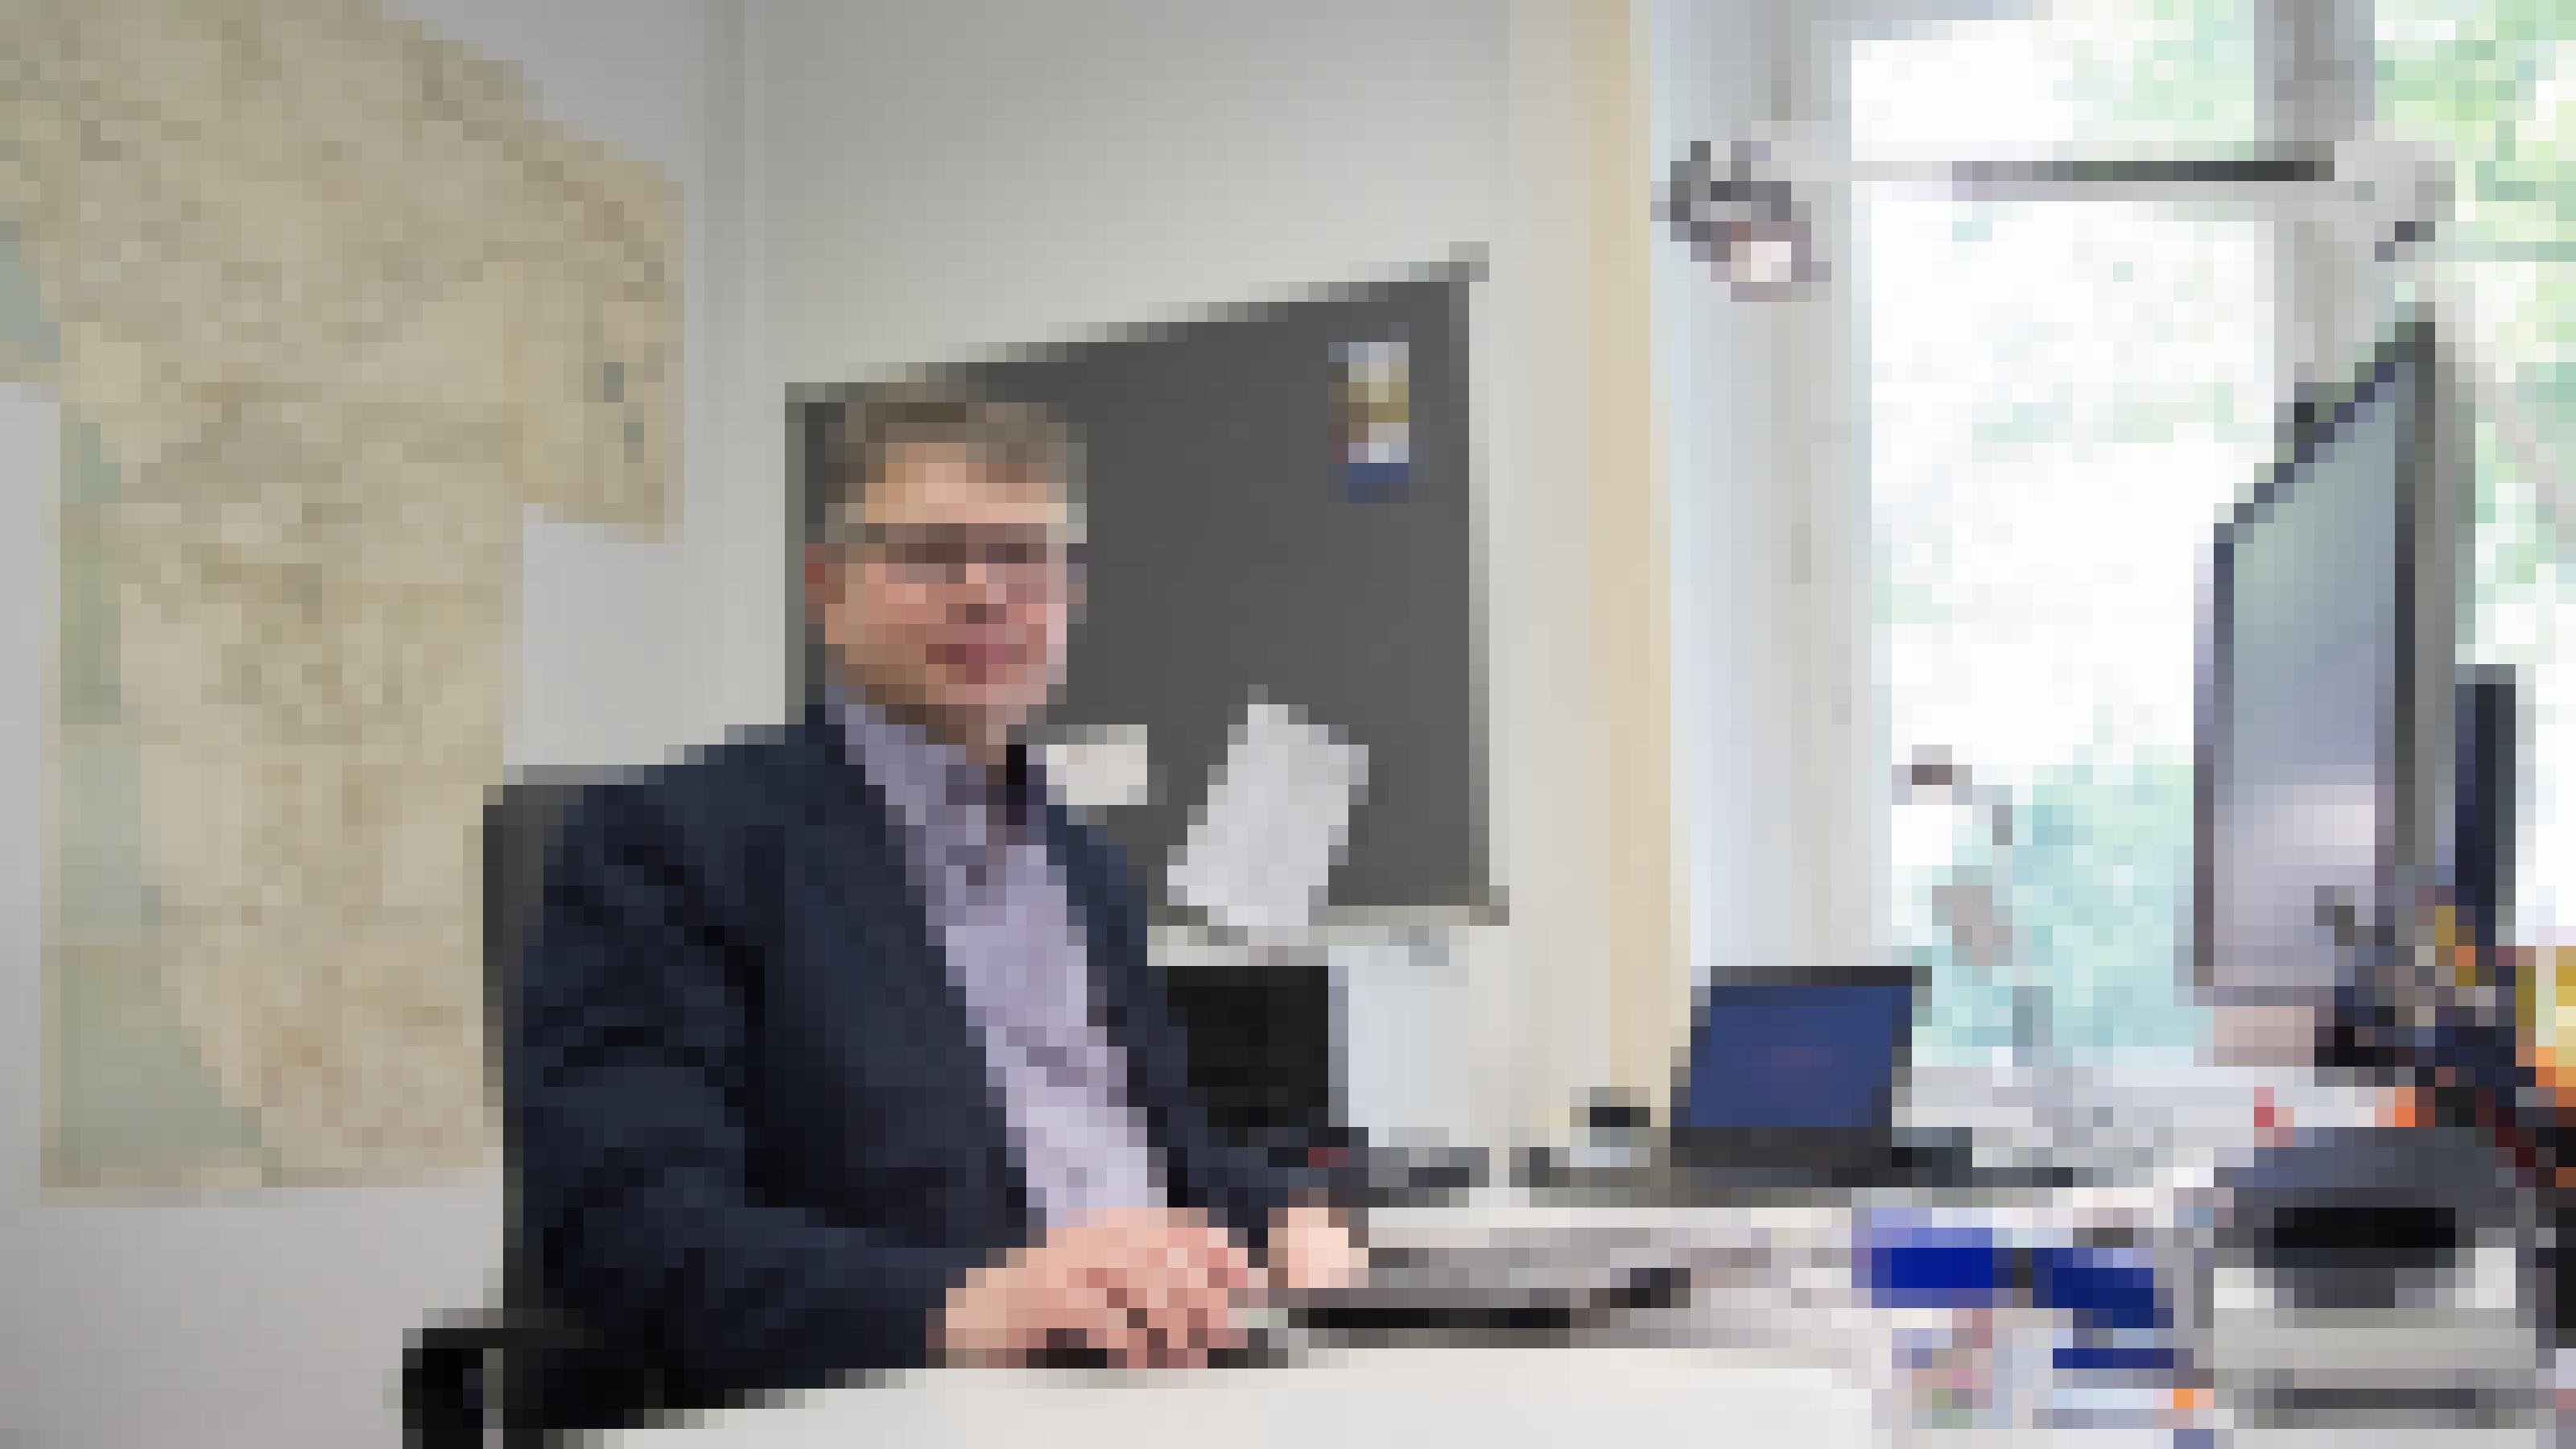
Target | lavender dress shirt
(1000,915)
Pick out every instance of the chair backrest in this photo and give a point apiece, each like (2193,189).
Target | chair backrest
(456,1365)
(523,822)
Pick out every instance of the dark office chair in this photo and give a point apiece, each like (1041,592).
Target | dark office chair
(472,1378)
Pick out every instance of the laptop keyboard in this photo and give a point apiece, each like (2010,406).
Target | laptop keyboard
(1535,1279)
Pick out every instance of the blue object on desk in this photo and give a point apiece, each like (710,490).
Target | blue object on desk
(2140,1358)
(1937,1268)
(2106,1288)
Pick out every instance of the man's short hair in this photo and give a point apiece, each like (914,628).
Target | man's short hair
(1020,439)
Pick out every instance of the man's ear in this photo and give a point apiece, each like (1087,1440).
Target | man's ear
(823,580)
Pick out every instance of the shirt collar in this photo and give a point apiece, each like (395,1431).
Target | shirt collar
(937,786)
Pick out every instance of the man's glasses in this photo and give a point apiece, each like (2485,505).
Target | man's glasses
(1024,561)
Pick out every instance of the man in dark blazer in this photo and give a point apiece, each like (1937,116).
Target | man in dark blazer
(837,1049)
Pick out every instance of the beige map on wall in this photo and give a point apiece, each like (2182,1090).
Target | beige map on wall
(326,307)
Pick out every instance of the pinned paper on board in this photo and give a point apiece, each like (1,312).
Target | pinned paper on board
(1101,767)
(1373,412)
(1261,850)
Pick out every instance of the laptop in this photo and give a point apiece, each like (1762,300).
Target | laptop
(1790,1088)
(1792,1077)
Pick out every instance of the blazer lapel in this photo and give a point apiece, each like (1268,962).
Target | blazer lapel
(1091,899)
(877,926)
(1114,956)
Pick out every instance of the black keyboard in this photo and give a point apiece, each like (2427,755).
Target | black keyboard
(1258,1352)
(1514,1283)
(1498,1311)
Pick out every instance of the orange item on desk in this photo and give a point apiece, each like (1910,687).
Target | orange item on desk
(2401,1107)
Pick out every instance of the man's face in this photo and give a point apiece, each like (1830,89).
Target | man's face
(952,601)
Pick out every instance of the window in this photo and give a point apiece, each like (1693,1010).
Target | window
(2494,82)
(2065,394)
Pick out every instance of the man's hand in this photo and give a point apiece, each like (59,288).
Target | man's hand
(1145,1287)
(1312,1249)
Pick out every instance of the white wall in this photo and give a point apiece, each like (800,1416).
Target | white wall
(278,1318)
(1734,601)
(1777,710)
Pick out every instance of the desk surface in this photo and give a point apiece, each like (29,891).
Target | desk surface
(1789,1364)
(1349,1400)
(1553,1398)
(1791,1356)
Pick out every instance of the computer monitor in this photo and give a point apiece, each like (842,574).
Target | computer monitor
(1262,1045)
(2325,766)
(1799,1052)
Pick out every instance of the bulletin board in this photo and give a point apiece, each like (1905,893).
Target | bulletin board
(1279,503)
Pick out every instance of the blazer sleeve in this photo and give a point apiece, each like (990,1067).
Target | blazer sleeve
(632,1155)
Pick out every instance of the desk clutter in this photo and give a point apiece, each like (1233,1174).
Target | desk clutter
(2328,1280)
(2001,1330)
(2216,1248)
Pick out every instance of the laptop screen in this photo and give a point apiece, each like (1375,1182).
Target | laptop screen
(1802,1052)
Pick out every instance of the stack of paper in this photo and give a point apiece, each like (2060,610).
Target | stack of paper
(1101,767)
(1261,850)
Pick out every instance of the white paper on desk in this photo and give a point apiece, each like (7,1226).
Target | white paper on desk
(1261,849)
(1101,767)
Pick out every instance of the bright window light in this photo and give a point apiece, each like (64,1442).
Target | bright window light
(2064,397)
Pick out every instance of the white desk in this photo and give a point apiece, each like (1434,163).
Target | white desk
(1798,1359)
(1413,1398)
(1796,1363)
(1423,1399)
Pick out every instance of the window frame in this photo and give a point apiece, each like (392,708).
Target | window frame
(1812,457)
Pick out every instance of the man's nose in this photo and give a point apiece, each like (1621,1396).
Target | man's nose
(980,595)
